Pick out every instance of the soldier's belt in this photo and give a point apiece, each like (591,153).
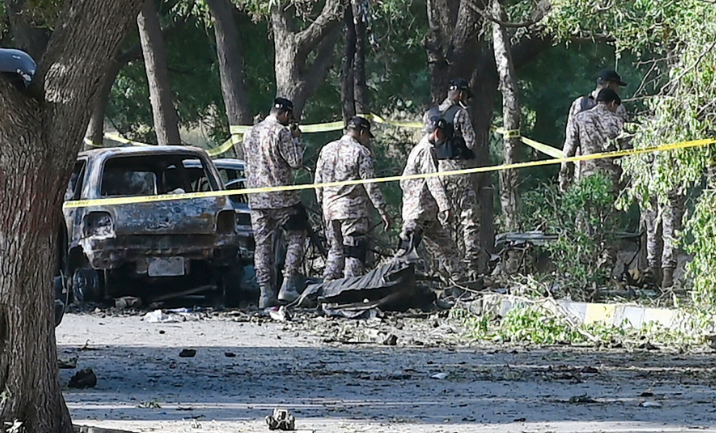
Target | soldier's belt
(515,166)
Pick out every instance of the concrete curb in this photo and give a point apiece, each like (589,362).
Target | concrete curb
(618,315)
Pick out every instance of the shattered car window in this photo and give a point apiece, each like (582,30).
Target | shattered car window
(152,174)
(74,188)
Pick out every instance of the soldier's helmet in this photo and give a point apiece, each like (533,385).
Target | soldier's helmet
(17,67)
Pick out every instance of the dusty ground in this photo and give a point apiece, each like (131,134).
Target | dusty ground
(335,378)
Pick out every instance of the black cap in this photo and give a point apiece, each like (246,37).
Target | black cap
(460,84)
(360,124)
(608,75)
(282,104)
(608,95)
(437,122)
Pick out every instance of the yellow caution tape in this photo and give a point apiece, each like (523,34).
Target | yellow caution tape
(512,133)
(228,144)
(239,130)
(196,195)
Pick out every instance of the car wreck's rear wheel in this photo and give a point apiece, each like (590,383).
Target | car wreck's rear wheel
(87,286)
(231,286)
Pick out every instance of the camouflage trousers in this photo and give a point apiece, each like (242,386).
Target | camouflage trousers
(343,234)
(438,243)
(265,223)
(465,222)
(662,222)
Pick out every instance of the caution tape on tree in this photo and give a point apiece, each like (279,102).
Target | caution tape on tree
(515,166)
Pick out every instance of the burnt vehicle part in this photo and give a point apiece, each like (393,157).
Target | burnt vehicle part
(148,249)
(233,177)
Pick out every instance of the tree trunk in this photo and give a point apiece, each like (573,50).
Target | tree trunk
(348,64)
(31,39)
(40,137)
(362,96)
(95,130)
(295,78)
(231,64)
(166,123)
(510,116)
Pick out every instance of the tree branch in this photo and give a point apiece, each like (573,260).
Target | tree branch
(502,23)
(327,21)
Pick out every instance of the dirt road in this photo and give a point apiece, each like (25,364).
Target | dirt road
(333,380)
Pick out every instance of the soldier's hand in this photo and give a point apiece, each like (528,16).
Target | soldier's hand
(296,132)
(387,223)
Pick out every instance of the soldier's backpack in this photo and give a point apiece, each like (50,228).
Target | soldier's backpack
(454,147)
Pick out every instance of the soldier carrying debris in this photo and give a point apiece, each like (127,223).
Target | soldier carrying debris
(272,151)
(345,208)
(424,198)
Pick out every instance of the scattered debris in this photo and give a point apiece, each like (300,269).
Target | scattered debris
(152,404)
(391,340)
(158,316)
(69,364)
(582,399)
(83,379)
(589,370)
(440,376)
(229,354)
(187,353)
(654,404)
(127,302)
(280,314)
(281,419)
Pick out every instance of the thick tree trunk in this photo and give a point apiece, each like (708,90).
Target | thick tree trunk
(39,139)
(510,116)
(166,123)
(348,64)
(231,64)
(295,78)
(362,95)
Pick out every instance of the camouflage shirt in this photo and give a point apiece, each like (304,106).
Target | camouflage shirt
(347,159)
(422,198)
(584,103)
(594,131)
(271,153)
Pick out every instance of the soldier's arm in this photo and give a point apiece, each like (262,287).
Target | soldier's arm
(573,111)
(367,171)
(435,184)
(319,178)
(463,122)
(291,148)
(622,113)
(570,149)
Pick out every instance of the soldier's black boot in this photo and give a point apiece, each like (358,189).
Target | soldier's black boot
(667,279)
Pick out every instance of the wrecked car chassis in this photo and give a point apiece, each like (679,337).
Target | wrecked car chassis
(152,250)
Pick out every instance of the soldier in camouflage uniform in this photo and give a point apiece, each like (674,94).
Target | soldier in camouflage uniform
(345,208)
(424,198)
(461,190)
(607,79)
(595,131)
(669,216)
(272,151)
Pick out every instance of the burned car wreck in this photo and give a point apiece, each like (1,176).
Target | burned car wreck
(154,250)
